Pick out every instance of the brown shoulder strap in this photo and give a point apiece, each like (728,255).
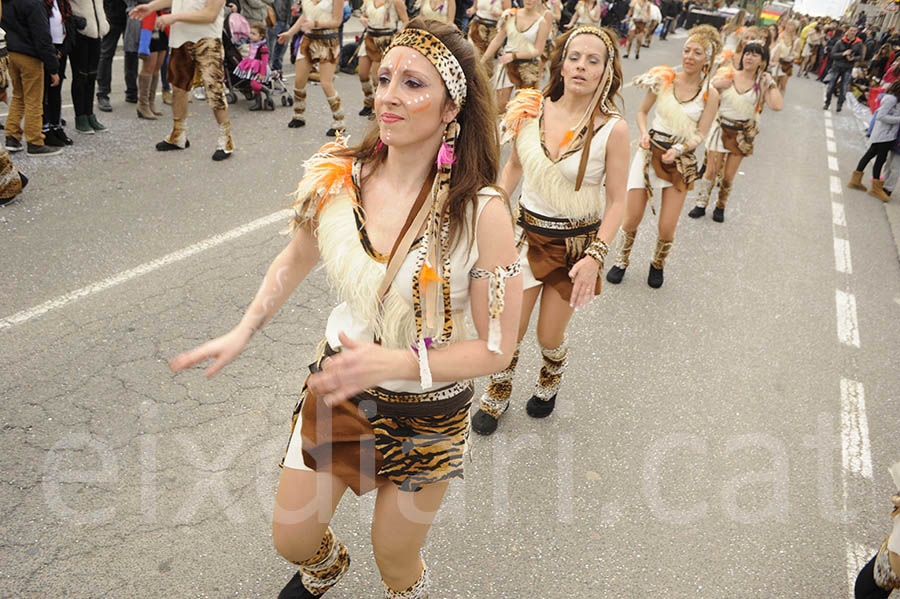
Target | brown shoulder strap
(417,215)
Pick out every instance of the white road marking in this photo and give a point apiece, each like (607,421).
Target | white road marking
(857,455)
(829,133)
(833,164)
(842,256)
(125,276)
(857,556)
(838,216)
(835,185)
(832,147)
(847,325)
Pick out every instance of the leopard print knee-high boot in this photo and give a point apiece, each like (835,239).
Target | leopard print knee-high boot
(495,400)
(655,278)
(337,116)
(704,190)
(320,572)
(623,255)
(418,589)
(299,118)
(721,200)
(554,365)
(368,100)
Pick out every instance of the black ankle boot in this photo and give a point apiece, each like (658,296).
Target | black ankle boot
(366,111)
(697,212)
(655,278)
(257,105)
(296,123)
(294,589)
(615,275)
(719,215)
(483,423)
(539,408)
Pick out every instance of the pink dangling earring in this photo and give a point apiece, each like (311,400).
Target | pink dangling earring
(379,145)
(446,155)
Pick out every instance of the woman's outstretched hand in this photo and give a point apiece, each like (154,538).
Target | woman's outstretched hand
(584,278)
(222,349)
(359,366)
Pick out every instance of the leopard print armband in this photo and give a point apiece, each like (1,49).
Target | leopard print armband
(496,294)
(598,250)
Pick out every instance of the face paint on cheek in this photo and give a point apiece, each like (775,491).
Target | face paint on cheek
(420,104)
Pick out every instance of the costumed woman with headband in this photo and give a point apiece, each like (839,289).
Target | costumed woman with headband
(565,220)
(639,15)
(686,105)
(483,26)
(320,45)
(381,19)
(409,248)
(783,53)
(742,94)
(524,31)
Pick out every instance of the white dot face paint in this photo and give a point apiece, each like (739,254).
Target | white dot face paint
(410,91)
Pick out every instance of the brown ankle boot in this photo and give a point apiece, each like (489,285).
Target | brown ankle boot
(877,191)
(151,96)
(143,107)
(856,181)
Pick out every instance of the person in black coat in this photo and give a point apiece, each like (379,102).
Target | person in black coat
(844,54)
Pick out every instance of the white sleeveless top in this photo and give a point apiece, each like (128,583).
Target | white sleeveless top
(485,9)
(441,14)
(381,17)
(182,32)
(693,109)
(521,41)
(584,17)
(738,106)
(548,187)
(317,11)
(351,268)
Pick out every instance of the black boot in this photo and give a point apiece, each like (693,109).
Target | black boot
(294,589)
(257,105)
(483,423)
(655,277)
(539,408)
(697,212)
(615,275)
(719,215)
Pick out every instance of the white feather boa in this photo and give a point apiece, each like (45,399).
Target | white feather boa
(546,179)
(356,276)
(669,108)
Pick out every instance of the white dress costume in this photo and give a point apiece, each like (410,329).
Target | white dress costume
(516,41)
(735,106)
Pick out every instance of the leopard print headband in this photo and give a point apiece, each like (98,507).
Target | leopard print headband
(440,56)
(602,93)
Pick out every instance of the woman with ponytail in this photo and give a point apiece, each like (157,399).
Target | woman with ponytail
(686,105)
(412,235)
(565,221)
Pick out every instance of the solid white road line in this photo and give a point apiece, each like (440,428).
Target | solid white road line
(838,216)
(847,326)
(835,185)
(857,455)
(842,256)
(122,277)
(833,164)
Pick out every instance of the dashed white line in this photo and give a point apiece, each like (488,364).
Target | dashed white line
(835,185)
(847,325)
(143,269)
(832,147)
(829,133)
(855,449)
(833,164)
(838,216)
(842,256)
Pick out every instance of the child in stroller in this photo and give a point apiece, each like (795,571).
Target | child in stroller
(251,74)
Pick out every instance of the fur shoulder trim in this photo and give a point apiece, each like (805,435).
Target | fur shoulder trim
(656,79)
(325,176)
(526,105)
(724,72)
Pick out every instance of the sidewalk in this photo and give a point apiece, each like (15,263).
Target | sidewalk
(892,208)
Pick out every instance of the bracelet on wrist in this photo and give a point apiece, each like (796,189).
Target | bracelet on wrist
(598,250)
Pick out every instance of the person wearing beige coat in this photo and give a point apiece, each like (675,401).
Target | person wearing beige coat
(84,58)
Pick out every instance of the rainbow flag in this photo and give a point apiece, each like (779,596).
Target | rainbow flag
(769,15)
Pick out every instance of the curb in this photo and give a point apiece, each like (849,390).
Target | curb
(892,209)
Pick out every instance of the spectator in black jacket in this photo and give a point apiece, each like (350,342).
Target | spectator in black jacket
(844,54)
(670,10)
(30,53)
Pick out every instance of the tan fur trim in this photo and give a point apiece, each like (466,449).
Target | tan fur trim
(670,109)
(549,182)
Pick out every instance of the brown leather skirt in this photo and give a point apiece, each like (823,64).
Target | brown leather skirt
(553,252)
(380,437)
(321,45)
(481,33)
(377,44)
(524,73)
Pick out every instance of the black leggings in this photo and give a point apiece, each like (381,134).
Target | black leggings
(84,59)
(53,94)
(865,587)
(879,152)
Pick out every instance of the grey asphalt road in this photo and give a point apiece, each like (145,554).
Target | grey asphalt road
(714,438)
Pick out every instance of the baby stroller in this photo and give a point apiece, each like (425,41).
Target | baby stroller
(271,87)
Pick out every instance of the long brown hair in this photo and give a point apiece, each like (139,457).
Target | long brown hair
(477,146)
(557,87)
